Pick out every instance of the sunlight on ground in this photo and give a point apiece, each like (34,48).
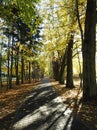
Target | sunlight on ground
(51,114)
(41,114)
(76,83)
(45,84)
(47,110)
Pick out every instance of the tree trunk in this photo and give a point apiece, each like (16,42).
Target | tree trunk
(80,66)
(89,50)
(0,70)
(22,69)
(8,69)
(63,65)
(17,67)
(29,72)
(56,69)
(11,68)
(78,19)
(69,78)
(82,40)
(1,64)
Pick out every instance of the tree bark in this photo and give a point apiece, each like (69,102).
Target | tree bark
(78,19)
(0,70)
(63,65)
(89,50)
(17,67)
(8,58)
(69,78)
(29,72)
(56,69)
(22,69)
(11,66)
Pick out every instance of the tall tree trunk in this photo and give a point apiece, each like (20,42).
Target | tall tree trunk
(69,78)
(0,70)
(1,64)
(29,72)
(78,19)
(22,69)
(82,38)
(89,50)
(17,67)
(8,69)
(11,68)
(63,65)
(80,65)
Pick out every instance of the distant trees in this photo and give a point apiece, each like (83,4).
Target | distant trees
(22,33)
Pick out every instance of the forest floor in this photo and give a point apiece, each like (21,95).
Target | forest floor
(10,101)
(86,112)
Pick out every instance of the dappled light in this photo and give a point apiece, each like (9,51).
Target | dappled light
(50,113)
(48,64)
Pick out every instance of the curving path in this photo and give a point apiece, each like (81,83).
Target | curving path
(44,110)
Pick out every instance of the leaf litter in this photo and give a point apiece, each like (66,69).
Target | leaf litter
(86,112)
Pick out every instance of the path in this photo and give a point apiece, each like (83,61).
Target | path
(44,110)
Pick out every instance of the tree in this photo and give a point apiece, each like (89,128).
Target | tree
(55,64)
(71,21)
(62,68)
(69,77)
(81,33)
(17,64)
(22,22)
(89,49)
(1,64)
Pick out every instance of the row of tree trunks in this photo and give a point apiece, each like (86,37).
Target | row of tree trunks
(14,61)
(89,50)
(58,68)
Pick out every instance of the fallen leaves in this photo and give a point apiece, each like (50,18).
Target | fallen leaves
(87,112)
(10,100)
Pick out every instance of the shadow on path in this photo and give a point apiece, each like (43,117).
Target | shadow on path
(44,110)
(6,121)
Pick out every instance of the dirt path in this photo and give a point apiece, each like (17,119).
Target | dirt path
(44,110)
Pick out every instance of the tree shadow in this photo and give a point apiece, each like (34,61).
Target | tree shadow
(88,113)
(44,110)
(6,121)
(39,97)
(73,122)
